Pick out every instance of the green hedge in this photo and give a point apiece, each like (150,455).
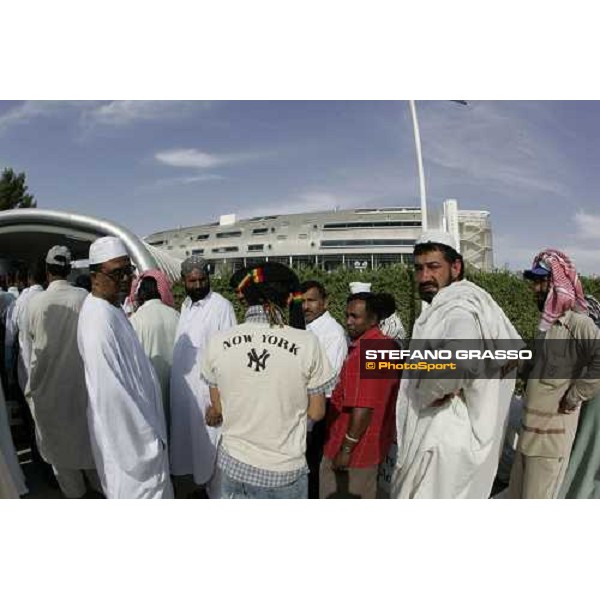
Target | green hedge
(511,292)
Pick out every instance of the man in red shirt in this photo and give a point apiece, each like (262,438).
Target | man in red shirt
(361,421)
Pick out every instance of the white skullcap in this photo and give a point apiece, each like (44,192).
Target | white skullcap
(106,248)
(358,286)
(437,236)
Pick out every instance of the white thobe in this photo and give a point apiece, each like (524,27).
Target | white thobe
(56,392)
(193,443)
(155,324)
(333,340)
(13,479)
(452,451)
(19,317)
(332,337)
(125,414)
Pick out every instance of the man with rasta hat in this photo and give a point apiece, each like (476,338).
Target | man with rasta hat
(204,313)
(266,376)
(125,412)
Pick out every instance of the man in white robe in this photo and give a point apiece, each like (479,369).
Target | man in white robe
(155,324)
(333,340)
(56,392)
(450,431)
(20,354)
(193,443)
(36,279)
(125,414)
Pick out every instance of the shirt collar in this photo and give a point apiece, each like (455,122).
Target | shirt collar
(256,314)
(200,302)
(319,322)
(59,283)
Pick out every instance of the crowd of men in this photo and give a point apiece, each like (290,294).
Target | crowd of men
(129,398)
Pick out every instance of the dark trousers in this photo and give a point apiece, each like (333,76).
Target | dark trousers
(314,453)
(351,483)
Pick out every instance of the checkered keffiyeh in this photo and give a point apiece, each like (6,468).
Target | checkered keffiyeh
(565,291)
(164,287)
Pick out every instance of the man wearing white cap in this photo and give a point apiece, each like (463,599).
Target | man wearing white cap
(56,391)
(125,413)
(450,430)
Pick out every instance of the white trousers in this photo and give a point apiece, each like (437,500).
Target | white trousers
(72,482)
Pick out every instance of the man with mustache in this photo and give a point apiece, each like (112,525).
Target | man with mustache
(193,443)
(565,373)
(450,430)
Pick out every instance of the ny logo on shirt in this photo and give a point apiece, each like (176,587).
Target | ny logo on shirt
(256,361)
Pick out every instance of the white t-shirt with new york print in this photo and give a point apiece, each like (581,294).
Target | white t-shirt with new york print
(264,375)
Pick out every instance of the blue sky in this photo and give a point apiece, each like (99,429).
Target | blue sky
(158,165)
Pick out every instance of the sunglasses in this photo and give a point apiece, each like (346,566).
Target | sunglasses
(119,274)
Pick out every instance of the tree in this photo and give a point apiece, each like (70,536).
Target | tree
(13,191)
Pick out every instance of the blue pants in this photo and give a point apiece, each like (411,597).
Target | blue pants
(233,489)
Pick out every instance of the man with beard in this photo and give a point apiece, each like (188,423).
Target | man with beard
(565,373)
(193,443)
(125,414)
(450,431)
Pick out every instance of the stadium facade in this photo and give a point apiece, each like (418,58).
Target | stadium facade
(355,239)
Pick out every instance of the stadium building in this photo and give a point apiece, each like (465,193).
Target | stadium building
(354,239)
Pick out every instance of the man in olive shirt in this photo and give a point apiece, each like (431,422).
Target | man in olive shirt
(565,373)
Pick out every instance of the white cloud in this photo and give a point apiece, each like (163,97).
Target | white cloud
(168,181)
(124,112)
(585,247)
(93,114)
(25,112)
(201,178)
(491,142)
(191,158)
(587,226)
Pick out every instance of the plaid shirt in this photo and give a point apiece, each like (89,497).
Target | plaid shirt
(245,473)
(352,391)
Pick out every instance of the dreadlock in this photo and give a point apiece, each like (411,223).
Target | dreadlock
(269,285)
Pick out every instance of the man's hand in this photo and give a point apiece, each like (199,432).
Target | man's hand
(444,400)
(567,407)
(213,417)
(341,461)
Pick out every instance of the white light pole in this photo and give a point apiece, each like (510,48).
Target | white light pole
(413,113)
